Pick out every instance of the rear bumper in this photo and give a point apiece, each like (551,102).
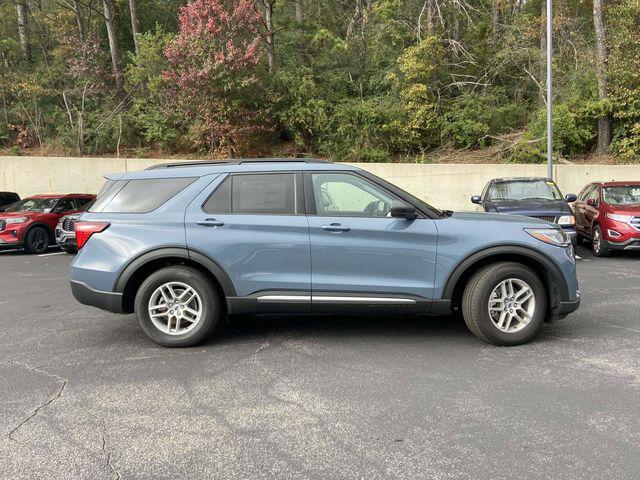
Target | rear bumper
(86,295)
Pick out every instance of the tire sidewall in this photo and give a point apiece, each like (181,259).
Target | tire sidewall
(28,243)
(208,296)
(484,322)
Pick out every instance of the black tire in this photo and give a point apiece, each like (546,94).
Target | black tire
(37,240)
(204,287)
(598,244)
(475,303)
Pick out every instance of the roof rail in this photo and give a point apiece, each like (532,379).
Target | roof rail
(240,161)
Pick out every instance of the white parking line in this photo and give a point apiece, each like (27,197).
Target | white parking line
(52,254)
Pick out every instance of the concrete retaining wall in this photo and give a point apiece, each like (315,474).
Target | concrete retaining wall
(443,185)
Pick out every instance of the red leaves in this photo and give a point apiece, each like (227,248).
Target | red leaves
(213,61)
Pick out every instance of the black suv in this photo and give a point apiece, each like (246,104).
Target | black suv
(8,198)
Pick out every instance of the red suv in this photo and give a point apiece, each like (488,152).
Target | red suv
(31,222)
(608,214)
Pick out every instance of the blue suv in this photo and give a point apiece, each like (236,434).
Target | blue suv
(185,245)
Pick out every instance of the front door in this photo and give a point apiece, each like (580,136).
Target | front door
(359,254)
(254,227)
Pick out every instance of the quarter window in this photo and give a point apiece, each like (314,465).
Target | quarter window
(139,196)
(260,194)
(341,194)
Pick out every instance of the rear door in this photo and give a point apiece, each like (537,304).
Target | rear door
(253,225)
(360,256)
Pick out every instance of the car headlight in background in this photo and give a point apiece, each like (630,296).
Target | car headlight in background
(566,220)
(13,221)
(619,218)
(551,236)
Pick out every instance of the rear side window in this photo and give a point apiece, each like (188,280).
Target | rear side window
(139,196)
(261,194)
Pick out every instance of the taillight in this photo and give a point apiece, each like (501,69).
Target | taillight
(84,230)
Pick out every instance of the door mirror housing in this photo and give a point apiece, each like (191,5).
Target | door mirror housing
(403,210)
(476,199)
(570,198)
(592,203)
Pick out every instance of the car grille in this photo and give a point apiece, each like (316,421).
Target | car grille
(635,223)
(3,225)
(69,224)
(547,218)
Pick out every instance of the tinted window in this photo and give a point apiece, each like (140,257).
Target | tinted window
(349,195)
(273,193)
(66,205)
(43,205)
(262,194)
(220,201)
(594,195)
(139,196)
(82,202)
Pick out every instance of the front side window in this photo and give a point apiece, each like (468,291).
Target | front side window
(259,194)
(520,190)
(341,194)
(622,195)
(584,194)
(594,195)
(66,205)
(139,196)
(40,205)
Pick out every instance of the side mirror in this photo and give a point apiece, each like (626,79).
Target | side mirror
(403,210)
(476,199)
(570,198)
(591,202)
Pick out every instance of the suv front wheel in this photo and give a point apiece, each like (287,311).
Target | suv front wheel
(505,304)
(178,306)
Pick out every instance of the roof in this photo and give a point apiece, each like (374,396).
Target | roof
(60,195)
(200,169)
(618,183)
(521,179)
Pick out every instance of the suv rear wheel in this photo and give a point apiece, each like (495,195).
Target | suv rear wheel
(505,304)
(178,306)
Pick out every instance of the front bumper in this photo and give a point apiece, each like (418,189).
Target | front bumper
(86,295)
(66,239)
(627,245)
(8,244)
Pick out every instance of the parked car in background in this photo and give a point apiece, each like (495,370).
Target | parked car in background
(536,197)
(183,245)
(31,222)
(66,233)
(608,216)
(7,199)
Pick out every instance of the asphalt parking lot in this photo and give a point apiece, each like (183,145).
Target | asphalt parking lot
(84,394)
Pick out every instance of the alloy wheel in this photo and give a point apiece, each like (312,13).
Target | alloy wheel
(175,308)
(597,241)
(512,305)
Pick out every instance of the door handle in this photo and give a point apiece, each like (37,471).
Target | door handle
(335,227)
(210,222)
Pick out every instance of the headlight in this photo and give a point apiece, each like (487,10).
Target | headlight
(551,236)
(566,220)
(13,221)
(619,218)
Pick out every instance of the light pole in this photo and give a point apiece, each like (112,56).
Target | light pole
(549,90)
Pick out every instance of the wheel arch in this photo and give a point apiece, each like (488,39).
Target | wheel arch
(47,228)
(548,271)
(142,266)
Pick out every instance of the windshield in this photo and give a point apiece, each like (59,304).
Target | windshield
(523,190)
(43,205)
(622,195)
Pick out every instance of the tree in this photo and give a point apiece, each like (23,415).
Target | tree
(135,24)
(113,46)
(213,72)
(269,7)
(604,124)
(23,28)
